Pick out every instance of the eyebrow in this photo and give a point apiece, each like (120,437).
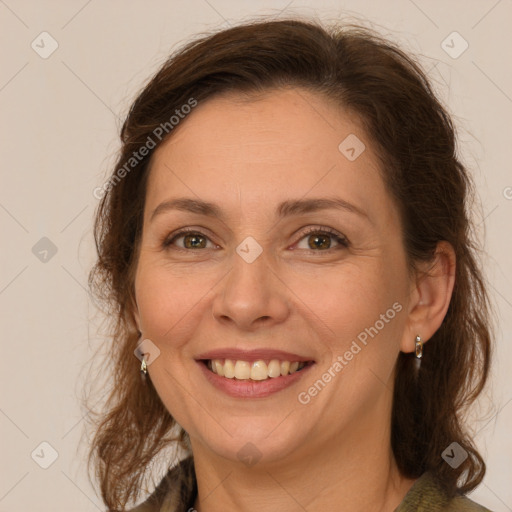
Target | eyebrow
(284,209)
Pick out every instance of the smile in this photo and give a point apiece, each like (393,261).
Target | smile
(257,370)
(238,378)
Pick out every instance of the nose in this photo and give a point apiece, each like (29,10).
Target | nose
(251,295)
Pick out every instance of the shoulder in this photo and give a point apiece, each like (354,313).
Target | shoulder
(175,492)
(427,495)
(464,504)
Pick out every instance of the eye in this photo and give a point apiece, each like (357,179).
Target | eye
(322,239)
(192,239)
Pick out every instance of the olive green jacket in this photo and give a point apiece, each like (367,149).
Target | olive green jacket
(177,492)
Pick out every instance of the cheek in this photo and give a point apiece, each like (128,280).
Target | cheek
(161,301)
(172,301)
(351,296)
(365,318)
(362,313)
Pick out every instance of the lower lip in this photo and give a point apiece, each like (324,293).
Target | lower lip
(252,388)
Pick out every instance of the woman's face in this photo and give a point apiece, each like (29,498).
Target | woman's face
(302,261)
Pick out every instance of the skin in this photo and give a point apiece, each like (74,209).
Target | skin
(333,453)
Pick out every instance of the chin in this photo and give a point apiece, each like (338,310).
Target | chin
(254,441)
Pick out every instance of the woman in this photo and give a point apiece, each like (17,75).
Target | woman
(286,245)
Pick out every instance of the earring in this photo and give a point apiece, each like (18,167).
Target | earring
(418,347)
(143,369)
(139,351)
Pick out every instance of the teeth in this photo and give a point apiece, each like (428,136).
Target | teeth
(258,370)
(218,368)
(242,370)
(274,368)
(229,368)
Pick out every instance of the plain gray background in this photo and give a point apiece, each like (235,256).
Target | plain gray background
(60,119)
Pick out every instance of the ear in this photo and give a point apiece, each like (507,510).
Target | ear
(431,292)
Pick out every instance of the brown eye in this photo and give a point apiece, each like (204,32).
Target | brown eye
(319,240)
(191,240)
(194,241)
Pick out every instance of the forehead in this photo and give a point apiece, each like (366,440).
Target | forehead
(293,119)
(265,149)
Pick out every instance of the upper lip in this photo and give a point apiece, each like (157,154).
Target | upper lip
(252,355)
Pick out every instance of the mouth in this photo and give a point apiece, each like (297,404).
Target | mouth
(257,371)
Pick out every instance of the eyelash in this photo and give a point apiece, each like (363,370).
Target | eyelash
(316,230)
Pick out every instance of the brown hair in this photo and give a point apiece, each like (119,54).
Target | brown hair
(414,138)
